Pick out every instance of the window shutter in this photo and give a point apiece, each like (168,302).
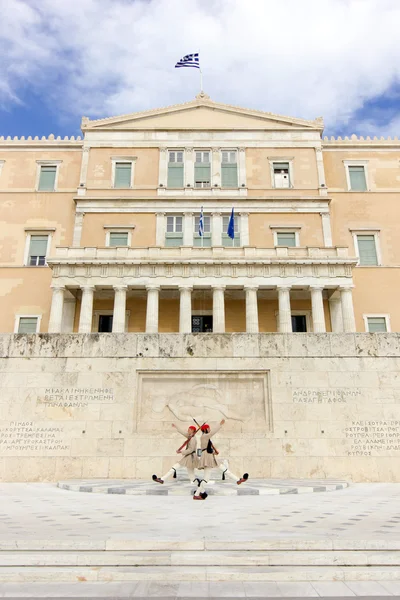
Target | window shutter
(367,250)
(229,175)
(281,166)
(175,175)
(286,238)
(123,173)
(27,325)
(119,238)
(357,179)
(376,324)
(38,245)
(202,172)
(47,179)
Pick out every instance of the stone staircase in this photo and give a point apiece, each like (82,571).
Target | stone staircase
(199,560)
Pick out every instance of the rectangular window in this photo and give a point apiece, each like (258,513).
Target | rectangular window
(174,234)
(27,324)
(123,175)
(281,175)
(367,250)
(37,250)
(376,324)
(118,238)
(47,178)
(175,169)
(229,169)
(226,240)
(202,169)
(206,241)
(286,238)
(358,182)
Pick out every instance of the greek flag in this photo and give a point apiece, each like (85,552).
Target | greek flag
(190,60)
(231,225)
(201,223)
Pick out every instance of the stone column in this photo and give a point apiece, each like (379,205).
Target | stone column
(317,304)
(320,168)
(346,297)
(216,168)
(119,314)
(161,226)
(86,316)
(188,229)
(189,169)
(242,168)
(219,309)
(84,167)
(251,309)
(185,310)
(152,309)
(216,229)
(285,315)
(335,308)
(56,311)
(244,229)
(163,168)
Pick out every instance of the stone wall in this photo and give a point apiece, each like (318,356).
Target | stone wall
(296,405)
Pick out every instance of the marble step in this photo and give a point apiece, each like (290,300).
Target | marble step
(199,558)
(263,544)
(174,573)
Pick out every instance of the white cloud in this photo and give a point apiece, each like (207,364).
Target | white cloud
(303,58)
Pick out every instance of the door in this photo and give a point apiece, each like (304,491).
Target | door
(105,323)
(299,323)
(202,324)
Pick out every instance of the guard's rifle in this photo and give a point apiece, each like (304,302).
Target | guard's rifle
(212,445)
(185,443)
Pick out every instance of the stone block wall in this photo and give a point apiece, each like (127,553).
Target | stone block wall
(296,405)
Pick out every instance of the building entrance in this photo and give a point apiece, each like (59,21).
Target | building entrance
(202,324)
(299,323)
(105,323)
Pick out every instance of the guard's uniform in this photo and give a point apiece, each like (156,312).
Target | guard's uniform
(208,460)
(189,458)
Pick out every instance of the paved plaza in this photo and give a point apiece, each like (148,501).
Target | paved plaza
(223,547)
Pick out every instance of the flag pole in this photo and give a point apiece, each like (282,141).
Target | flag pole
(201,80)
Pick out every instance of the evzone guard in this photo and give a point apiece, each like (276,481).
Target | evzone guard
(189,458)
(208,461)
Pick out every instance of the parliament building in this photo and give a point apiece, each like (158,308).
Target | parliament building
(101,234)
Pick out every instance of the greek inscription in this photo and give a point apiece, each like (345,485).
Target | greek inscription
(74,397)
(372,438)
(27,436)
(324,396)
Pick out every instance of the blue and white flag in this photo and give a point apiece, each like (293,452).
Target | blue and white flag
(231,225)
(190,60)
(201,223)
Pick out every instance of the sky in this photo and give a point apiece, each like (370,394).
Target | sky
(62,59)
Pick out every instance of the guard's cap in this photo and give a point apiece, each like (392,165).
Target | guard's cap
(205,427)
(192,427)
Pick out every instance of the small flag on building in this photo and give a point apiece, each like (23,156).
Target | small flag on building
(231,225)
(201,223)
(190,60)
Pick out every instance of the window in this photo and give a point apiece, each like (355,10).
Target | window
(27,324)
(226,240)
(202,323)
(281,174)
(118,238)
(357,179)
(47,178)
(375,324)
(123,175)
(202,169)
(203,241)
(175,169)
(367,250)
(38,245)
(174,234)
(285,238)
(229,170)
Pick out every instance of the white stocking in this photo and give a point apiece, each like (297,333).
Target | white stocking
(171,471)
(228,473)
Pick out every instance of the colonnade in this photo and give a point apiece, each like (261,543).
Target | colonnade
(341,307)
